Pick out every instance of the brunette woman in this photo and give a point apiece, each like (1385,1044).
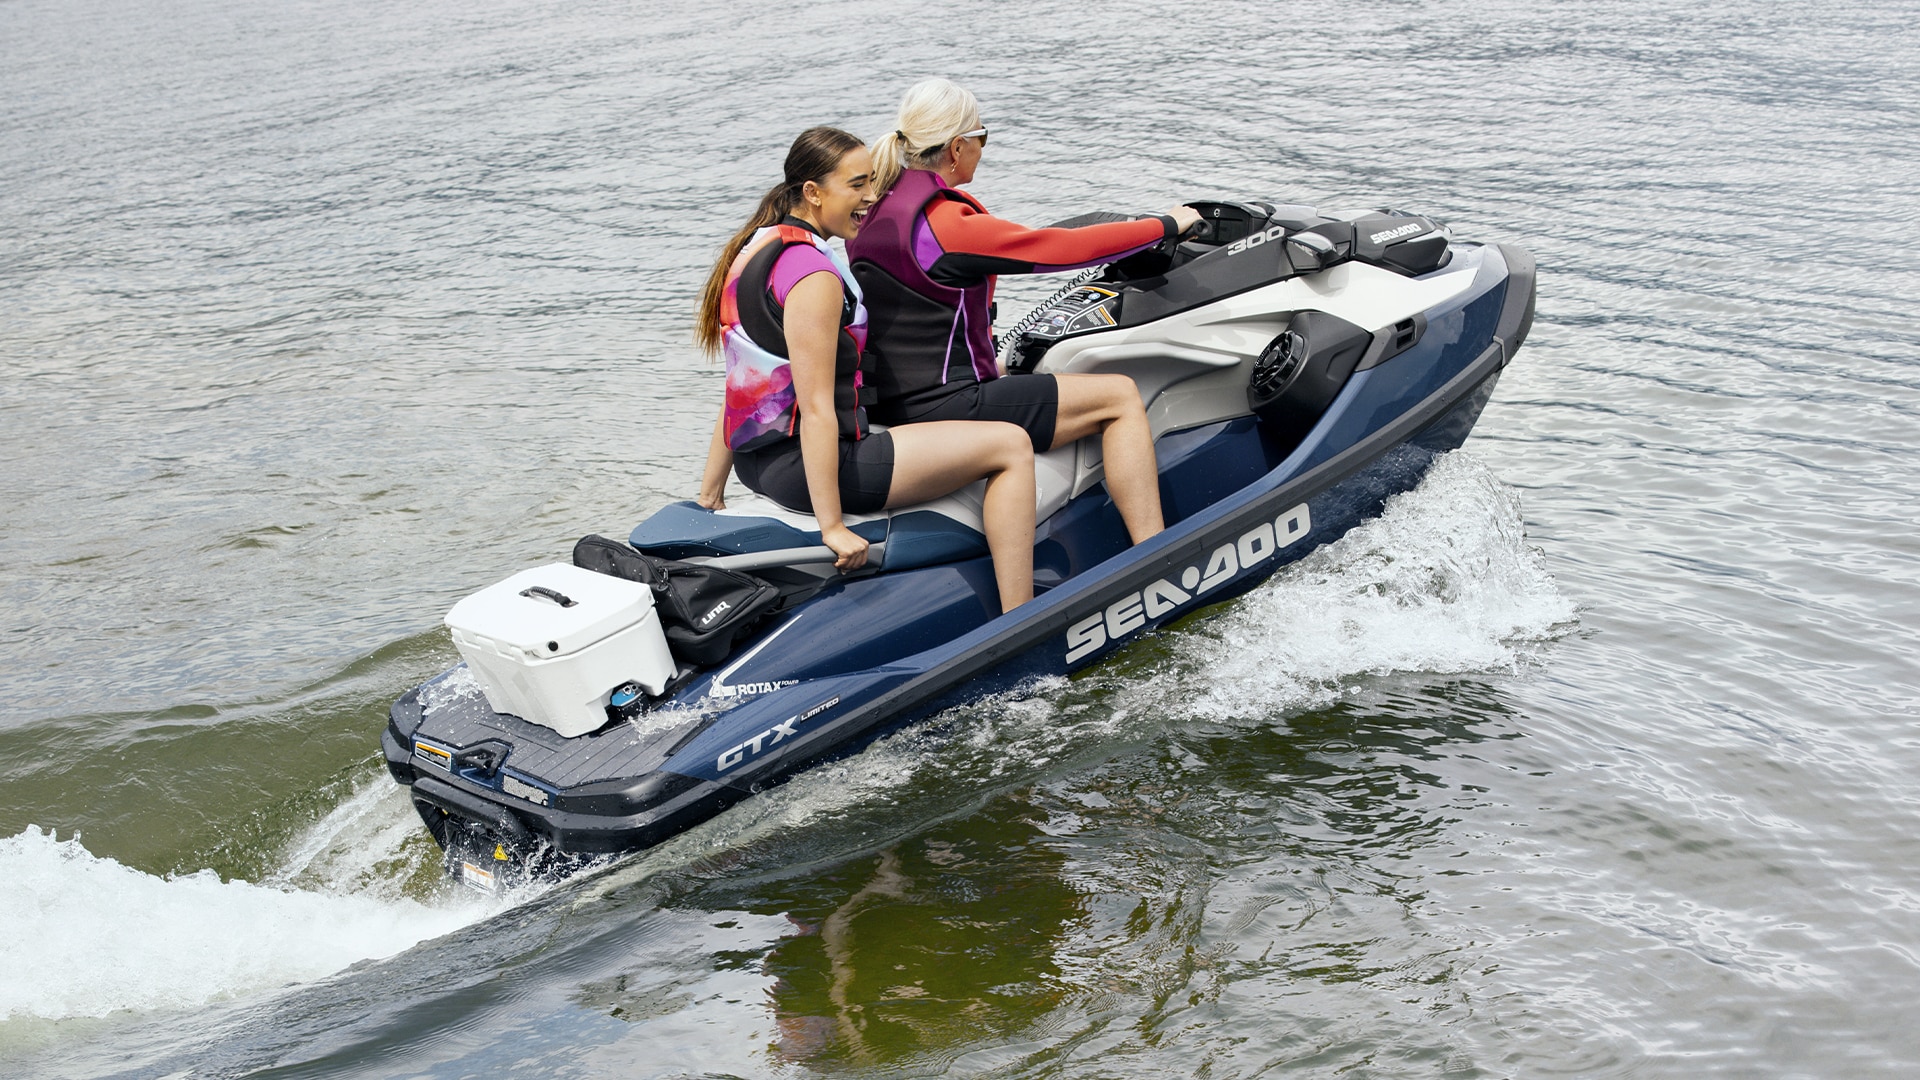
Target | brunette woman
(788,315)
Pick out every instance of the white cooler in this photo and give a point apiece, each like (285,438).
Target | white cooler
(551,643)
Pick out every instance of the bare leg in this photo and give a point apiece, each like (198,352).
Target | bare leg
(1110,404)
(932,459)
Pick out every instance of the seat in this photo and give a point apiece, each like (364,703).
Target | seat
(924,534)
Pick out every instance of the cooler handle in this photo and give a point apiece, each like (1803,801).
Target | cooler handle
(551,594)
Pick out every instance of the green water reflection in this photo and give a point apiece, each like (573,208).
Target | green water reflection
(939,940)
(1263,858)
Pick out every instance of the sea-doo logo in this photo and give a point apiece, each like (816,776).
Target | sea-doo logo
(525,791)
(1254,241)
(1395,234)
(707,619)
(774,735)
(1131,612)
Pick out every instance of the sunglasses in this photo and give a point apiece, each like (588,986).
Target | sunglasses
(977,133)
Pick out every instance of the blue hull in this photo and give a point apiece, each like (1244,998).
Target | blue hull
(867,655)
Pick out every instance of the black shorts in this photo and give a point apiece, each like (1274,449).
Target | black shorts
(866,474)
(1031,401)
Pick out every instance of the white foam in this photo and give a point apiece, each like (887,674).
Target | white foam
(89,936)
(1443,581)
(370,844)
(450,688)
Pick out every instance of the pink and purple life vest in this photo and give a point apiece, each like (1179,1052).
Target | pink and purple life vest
(761,408)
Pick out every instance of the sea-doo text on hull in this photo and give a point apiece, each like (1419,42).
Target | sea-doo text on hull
(1297,371)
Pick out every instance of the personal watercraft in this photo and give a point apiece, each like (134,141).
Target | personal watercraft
(1297,371)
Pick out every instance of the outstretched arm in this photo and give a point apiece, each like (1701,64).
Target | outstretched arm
(973,245)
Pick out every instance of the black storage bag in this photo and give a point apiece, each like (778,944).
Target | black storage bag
(702,608)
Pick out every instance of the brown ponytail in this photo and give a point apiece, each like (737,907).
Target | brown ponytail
(813,156)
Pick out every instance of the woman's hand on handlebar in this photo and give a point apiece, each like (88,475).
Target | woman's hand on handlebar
(851,549)
(1184,218)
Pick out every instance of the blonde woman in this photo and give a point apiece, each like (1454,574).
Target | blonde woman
(788,315)
(927,258)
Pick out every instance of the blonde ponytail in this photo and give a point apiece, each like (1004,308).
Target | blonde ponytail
(889,160)
(931,114)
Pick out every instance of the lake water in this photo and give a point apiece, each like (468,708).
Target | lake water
(1597,755)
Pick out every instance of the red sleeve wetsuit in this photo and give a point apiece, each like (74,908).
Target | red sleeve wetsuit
(927,258)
